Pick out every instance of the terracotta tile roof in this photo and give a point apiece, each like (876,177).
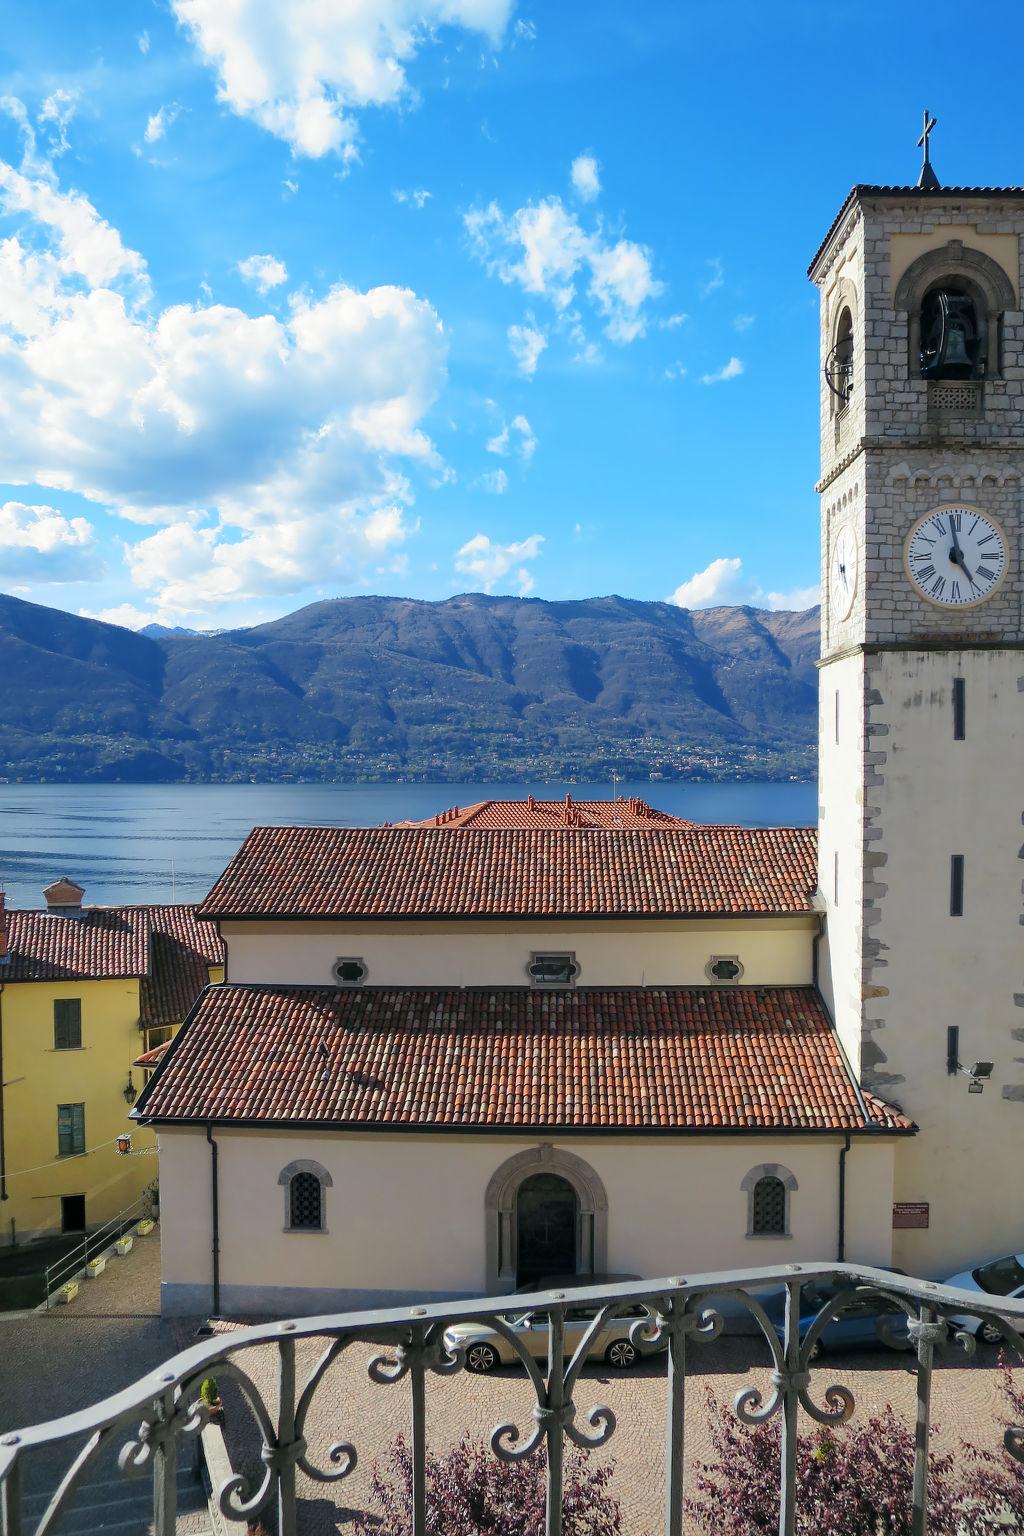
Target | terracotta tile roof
(643,1060)
(168,948)
(613,814)
(515,872)
(103,942)
(154,1057)
(182,949)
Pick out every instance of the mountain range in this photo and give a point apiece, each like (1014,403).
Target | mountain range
(365,688)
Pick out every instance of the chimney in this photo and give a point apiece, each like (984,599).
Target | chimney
(64,898)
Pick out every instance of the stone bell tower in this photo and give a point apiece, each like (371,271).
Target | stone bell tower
(921,726)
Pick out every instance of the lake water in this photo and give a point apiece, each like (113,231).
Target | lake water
(149,842)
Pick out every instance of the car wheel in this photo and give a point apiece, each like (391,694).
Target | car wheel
(621,1354)
(988,1333)
(481,1357)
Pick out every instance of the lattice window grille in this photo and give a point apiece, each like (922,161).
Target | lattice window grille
(306,1201)
(955,399)
(768,1213)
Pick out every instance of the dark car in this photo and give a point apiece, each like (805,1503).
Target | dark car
(857,1326)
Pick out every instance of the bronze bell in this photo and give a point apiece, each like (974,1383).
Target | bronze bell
(950,336)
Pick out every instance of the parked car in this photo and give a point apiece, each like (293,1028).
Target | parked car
(997,1277)
(857,1326)
(484,1348)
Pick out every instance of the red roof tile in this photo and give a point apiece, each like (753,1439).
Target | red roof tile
(102,942)
(182,949)
(703,1059)
(515,872)
(613,814)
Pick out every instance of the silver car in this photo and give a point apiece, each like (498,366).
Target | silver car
(485,1348)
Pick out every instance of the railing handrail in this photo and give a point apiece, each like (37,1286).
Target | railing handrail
(77,1257)
(383,1326)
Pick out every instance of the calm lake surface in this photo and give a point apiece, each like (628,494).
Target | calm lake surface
(151,842)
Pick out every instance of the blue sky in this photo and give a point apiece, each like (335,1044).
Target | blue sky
(426,296)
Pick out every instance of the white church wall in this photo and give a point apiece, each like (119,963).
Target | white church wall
(773,951)
(405,1214)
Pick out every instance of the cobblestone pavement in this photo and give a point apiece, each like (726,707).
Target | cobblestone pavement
(351,1407)
(59,1361)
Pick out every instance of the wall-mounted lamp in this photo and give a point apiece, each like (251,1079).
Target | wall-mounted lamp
(124,1145)
(979,1073)
(129,1090)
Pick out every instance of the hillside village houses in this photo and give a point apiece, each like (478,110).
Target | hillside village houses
(84,993)
(448,1059)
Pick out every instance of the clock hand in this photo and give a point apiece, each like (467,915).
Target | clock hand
(956,554)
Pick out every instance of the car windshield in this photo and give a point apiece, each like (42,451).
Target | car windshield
(1001,1276)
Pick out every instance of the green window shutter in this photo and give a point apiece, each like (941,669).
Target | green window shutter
(67,1024)
(70,1129)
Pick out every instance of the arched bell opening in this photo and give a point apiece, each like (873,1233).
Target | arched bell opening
(953,331)
(839,367)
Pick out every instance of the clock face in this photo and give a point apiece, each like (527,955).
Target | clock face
(956,556)
(843,573)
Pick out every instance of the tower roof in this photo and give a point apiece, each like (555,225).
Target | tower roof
(920,194)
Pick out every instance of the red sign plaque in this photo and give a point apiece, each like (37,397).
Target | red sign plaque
(910,1213)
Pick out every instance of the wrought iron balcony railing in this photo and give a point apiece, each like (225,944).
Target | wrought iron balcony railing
(149,1422)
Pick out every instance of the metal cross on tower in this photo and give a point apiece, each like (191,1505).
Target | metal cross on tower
(927,179)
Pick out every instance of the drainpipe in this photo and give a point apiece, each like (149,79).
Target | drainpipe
(3,1108)
(215,1220)
(841,1246)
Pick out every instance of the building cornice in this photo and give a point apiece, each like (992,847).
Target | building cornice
(905,445)
(913,647)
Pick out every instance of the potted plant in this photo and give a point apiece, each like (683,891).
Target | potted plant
(145,1227)
(67,1293)
(124,1243)
(209,1396)
(96,1266)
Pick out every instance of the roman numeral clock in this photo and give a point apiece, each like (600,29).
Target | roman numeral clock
(921,684)
(956,556)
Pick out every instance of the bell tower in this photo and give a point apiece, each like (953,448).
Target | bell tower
(921,725)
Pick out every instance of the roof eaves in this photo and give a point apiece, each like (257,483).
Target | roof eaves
(867,189)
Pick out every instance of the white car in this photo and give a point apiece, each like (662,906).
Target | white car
(998,1278)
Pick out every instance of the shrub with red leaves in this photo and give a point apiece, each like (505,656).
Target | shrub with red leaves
(851,1480)
(471,1493)
(994,1484)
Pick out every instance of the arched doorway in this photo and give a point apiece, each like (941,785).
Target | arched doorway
(547,1215)
(550,1169)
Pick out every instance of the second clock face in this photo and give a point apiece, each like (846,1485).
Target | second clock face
(956,556)
(843,574)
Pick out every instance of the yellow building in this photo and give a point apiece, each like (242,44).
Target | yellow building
(82,991)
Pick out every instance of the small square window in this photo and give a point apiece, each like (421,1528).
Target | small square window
(67,1024)
(349,971)
(553,970)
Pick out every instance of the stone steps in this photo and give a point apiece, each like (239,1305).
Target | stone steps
(119,1505)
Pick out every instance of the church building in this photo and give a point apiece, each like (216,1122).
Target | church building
(452,1058)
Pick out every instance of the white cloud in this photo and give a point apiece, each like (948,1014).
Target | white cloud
(277,451)
(304,69)
(730,370)
(672,322)
(743,323)
(263,272)
(58,109)
(158,124)
(717,278)
(675,371)
(42,543)
(722,583)
(525,31)
(126,615)
(586,177)
(525,444)
(493,481)
(544,248)
(143,42)
(490,563)
(418,197)
(526,344)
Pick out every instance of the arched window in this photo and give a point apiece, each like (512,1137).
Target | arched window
(768,1188)
(954,299)
(305,1202)
(839,368)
